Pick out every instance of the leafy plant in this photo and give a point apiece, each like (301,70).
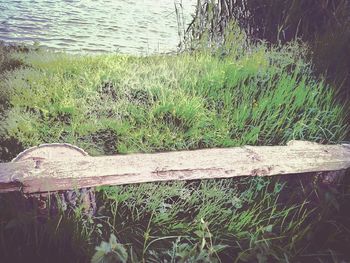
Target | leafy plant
(110,252)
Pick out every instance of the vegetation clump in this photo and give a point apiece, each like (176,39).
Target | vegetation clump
(323,24)
(116,104)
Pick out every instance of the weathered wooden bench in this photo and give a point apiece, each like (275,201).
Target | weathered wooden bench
(59,167)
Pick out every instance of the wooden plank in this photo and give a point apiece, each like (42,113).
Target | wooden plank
(41,175)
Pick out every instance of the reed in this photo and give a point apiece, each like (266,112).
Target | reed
(324,25)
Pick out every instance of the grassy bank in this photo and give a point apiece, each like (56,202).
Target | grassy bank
(115,104)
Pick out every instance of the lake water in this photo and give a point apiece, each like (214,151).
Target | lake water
(126,26)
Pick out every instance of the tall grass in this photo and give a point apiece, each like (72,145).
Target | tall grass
(116,104)
(323,24)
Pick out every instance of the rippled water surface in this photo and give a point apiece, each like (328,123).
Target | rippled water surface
(127,26)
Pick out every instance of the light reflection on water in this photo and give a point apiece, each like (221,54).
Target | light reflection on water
(127,26)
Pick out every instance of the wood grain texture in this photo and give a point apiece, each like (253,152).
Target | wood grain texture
(34,175)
